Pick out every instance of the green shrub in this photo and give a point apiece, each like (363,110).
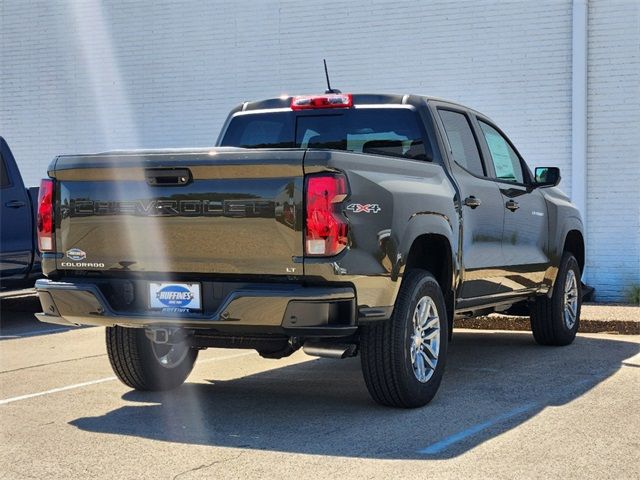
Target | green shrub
(633,294)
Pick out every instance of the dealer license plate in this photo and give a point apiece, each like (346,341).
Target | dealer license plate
(175,297)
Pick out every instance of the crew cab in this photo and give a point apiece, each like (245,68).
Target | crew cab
(19,256)
(342,224)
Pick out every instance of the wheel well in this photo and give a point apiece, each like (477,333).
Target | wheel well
(433,253)
(574,243)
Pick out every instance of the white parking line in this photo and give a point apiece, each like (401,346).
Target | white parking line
(102,380)
(227,357)
(55,390)
(37,332)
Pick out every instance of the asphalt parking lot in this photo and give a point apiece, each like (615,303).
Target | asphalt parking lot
(507,408)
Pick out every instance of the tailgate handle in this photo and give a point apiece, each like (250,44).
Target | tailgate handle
(168,176)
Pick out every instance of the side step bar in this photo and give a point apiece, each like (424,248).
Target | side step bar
(330,350)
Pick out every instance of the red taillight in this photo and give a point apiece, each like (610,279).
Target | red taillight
(327,229)
(45,216)
(332,100)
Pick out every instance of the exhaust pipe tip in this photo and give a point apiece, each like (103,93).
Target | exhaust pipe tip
(330,350)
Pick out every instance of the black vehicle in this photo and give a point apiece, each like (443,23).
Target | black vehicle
(338,223)
(19,257)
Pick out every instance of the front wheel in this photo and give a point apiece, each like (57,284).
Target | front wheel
(403,358)
(144,365)
(555,320)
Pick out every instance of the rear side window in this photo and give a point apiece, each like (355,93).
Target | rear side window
(4,177)
(463,144)
(505,160)
(391,132)
(265,130)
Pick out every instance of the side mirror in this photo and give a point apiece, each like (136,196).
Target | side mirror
(547,176)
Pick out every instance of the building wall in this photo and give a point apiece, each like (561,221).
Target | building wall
(613,146)
(90,76)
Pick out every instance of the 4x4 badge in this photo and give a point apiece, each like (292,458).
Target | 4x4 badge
(364,208)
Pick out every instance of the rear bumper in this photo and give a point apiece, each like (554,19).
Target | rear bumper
(250,308)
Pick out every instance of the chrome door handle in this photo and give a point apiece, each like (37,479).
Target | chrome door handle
(512,205)
(472,202)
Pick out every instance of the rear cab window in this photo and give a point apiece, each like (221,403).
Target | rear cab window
(395,132)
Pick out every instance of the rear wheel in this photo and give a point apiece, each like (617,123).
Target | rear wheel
(555,320)
(145,365)
(403,358)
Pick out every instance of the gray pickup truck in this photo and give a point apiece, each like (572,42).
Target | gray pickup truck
(343,224)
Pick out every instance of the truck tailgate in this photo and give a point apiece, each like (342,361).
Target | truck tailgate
(197,211)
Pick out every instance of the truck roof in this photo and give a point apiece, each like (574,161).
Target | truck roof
(284,101)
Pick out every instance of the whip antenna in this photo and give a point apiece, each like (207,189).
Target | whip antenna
(326,73)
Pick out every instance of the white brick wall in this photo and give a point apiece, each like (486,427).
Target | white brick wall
(613,173)
(88,75)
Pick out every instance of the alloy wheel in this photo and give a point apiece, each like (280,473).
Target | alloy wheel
(570,300)
(424,342)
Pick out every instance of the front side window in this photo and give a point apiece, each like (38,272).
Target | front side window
(506,162)
(390,132)
(462,142)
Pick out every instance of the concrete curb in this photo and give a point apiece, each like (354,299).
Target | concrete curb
(505,322)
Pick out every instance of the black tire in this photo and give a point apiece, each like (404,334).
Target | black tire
(547,314)
(134,362)
(386,347)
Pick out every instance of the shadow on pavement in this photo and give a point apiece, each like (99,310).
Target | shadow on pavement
(17,319)
(322,407)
